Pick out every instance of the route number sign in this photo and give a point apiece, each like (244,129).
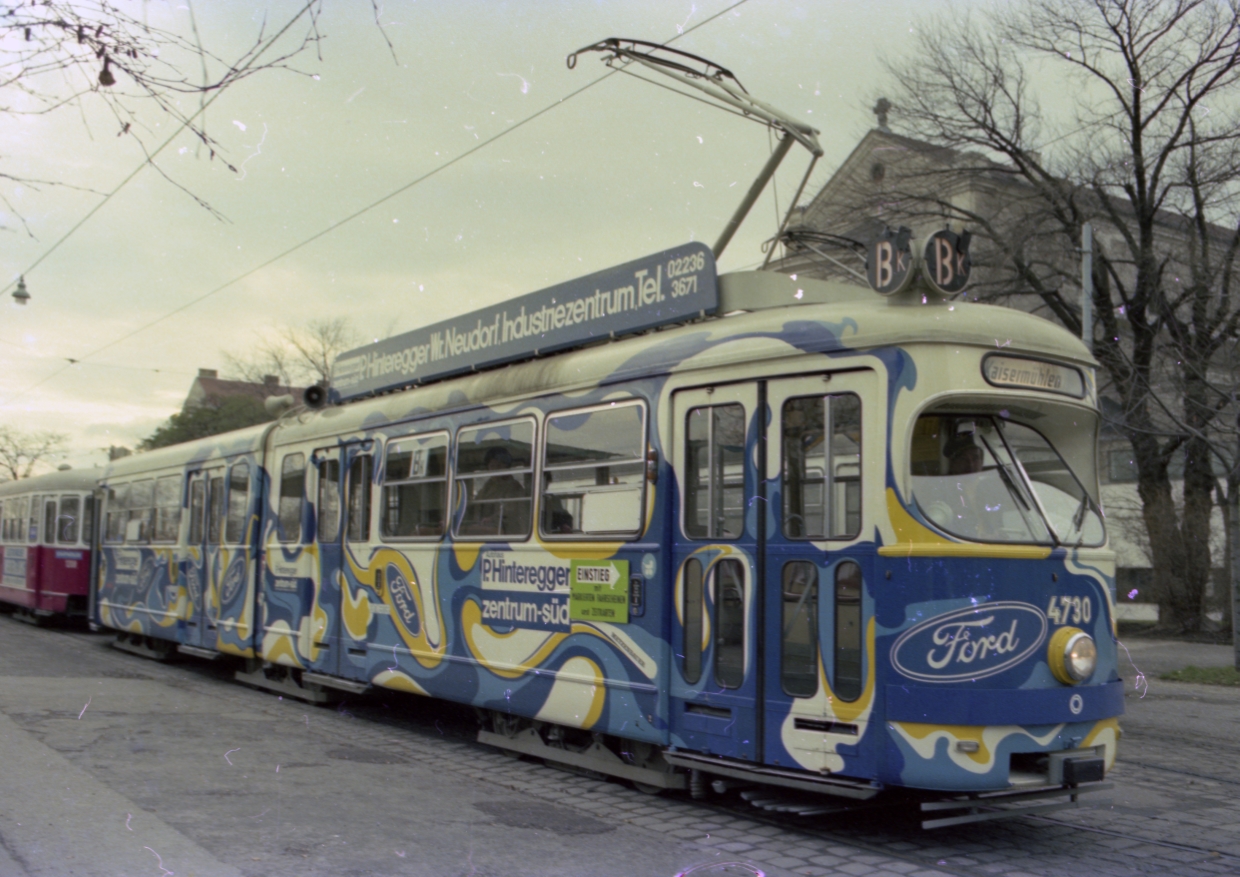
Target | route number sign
(946,261)
(889,263)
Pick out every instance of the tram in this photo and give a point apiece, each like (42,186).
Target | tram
(801,536)
(46,527)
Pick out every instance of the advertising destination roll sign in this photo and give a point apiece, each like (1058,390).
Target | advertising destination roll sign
(668,287)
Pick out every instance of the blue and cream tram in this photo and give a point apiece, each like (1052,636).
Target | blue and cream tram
(826,540)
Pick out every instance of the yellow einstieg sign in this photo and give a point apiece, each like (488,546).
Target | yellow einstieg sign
(599,591)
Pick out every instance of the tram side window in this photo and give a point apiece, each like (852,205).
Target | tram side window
(238,504)
(799,664)
(197,510)
(415,487)
(359,499)
(714,505)
(848,631)
(292,493)
(692,612)
(728,578)
(167,508)
(495,479)
(33,527)
(116,513)
(821,478)
(329,500)
(67,520)
(594,472)
(215,506)
(88,520)
(139,525)
(49,520)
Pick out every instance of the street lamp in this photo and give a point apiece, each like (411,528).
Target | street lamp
(20,295)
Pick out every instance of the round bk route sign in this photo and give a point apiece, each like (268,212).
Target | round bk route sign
(946,261)
(889,264)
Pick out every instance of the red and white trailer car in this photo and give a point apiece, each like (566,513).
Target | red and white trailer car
(46,531)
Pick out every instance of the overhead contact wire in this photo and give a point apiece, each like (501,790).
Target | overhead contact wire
(334,226)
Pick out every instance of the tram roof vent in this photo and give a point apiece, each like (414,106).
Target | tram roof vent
(763,290)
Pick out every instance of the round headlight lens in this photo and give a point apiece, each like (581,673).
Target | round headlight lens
(1080,657)
(1072,655)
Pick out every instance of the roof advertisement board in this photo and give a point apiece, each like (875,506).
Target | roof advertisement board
(667,287)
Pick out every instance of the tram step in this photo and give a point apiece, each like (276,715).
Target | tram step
(198,651)
(988,806)
(349,685)
(773,776)
(285,686)
(145,646)
(595,758)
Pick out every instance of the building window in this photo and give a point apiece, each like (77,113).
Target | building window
(1121,466)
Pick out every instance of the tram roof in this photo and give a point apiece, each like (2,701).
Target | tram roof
(68,479)
(214,447)
(776,315)
(770,312)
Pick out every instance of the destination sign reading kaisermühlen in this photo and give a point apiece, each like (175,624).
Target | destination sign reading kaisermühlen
(1033,374)
(667,287)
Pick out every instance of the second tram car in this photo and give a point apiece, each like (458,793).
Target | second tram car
(829,541)
(46,527)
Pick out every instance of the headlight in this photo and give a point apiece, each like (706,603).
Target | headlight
(1072,655)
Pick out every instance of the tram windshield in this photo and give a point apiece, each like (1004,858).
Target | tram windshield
(994,480)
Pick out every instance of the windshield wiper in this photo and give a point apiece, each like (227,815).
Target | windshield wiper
(1008,481)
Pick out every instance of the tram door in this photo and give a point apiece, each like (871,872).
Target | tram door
(813,639)
(343,519)
(202,563)
(717,543)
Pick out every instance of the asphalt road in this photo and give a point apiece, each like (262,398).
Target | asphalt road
(111,764)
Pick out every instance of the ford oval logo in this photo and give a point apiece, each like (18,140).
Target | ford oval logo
(232,581)
(402,601)
(970,643)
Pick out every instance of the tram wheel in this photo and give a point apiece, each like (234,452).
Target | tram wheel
(647,788)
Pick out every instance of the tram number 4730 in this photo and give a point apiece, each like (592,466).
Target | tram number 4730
(1070,610)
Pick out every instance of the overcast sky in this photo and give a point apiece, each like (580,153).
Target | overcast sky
(622,170)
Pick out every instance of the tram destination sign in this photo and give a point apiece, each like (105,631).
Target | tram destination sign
(667,287)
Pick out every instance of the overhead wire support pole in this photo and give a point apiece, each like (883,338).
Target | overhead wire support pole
(712,80)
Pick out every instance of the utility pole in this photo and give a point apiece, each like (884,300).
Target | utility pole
(1087,285)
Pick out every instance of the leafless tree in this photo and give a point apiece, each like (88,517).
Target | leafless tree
(57,54)
(21,451)
(1150,154)
(296,355)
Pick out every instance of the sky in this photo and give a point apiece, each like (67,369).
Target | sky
(621,170)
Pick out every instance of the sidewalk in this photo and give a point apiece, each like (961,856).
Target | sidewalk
(1153,657)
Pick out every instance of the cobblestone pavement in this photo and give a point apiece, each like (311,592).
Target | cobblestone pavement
(396,785)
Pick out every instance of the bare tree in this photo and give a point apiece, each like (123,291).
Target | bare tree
(305,354)
(56,54)
(1150,154)
(20,451)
